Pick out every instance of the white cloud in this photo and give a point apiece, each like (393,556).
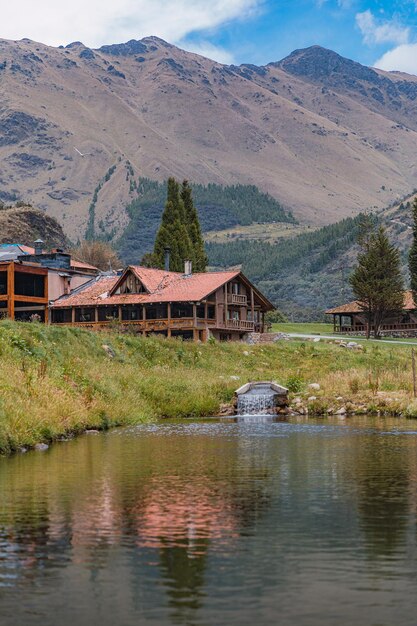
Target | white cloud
(377,32)
(208,50)
(96,22)
(402,58)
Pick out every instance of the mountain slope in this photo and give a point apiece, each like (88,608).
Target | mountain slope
(323,135)
(25,224)
(308,274)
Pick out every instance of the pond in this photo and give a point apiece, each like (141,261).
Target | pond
(302,522)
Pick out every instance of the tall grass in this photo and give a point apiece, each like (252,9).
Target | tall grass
(55,380)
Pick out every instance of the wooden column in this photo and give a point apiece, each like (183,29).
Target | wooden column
(96,315)
(73,315)
(225,305)
(169,319)
(45,294)
(195,330)
(144,319)
(120,312)
(252,306)
(10,291)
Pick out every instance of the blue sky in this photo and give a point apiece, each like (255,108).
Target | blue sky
(231,31)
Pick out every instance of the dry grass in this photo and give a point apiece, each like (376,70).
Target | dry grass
(58,380)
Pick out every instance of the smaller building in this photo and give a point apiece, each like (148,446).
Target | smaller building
(31,278)
(351,318)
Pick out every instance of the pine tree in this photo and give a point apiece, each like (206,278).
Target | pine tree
(180,231)
(412,257)
(199,256)
(173,232)
(377,281)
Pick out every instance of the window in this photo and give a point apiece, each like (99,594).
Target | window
(3,283)
(29,285)
(201,311)
(106,313)
(235,289)
(131,313)
(211,312)
(84,315)
(157,312)
(61,316)
(182,310)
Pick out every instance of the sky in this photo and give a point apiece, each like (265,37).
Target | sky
(380,33)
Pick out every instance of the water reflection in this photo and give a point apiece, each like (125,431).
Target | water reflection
(181,523)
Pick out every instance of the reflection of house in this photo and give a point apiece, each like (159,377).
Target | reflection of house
(30,279)
(224,304)
(351,318)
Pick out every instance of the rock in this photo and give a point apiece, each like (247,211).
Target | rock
(23,450)
(245,353)
(41,447)
(341,411)
(311,399)
(314,386)
(316,339)
(92,431)
(235,378)
(297,401)
(109,350)
(339,398)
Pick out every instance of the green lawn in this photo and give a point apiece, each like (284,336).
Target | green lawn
(309,328)
(316,328)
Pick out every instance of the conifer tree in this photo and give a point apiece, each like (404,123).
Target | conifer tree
(199,256)
(412,257)
(180,231)
(173,232)
(377,281)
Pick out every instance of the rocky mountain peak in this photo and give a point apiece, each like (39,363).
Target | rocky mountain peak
(318,64)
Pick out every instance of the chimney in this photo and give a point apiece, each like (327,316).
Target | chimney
(167,258)
(188,268)
(38,246)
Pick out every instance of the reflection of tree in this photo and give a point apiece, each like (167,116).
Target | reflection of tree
(382,475)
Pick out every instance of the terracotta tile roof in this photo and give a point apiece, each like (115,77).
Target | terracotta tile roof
(354,307)
(88,294)
(78,265)
(162,286)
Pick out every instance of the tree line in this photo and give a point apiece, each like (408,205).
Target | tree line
(377,281)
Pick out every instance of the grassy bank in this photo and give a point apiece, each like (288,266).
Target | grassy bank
(307,328)
(58,380)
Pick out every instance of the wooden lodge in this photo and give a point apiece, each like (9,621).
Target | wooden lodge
(350,318)
(224,305)
(30,279)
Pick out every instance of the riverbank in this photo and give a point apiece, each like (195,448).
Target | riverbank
(55,381)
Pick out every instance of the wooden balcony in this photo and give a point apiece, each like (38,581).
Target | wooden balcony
(183,323)
(237,299)
(240,325)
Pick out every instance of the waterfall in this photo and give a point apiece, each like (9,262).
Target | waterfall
(255,404)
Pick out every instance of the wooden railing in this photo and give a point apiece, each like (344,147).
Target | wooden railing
(240,325)
(145,325)
(361,328)
(234,298)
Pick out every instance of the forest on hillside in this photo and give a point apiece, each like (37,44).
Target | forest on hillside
(303,276)
(219,207)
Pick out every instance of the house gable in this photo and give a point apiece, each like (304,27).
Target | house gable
(128,283)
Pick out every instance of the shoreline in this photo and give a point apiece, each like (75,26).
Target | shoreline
(56,382)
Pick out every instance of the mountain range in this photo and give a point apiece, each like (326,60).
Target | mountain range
(323,135)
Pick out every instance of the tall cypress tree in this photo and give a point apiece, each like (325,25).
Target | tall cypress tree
(199,256)
(412,257)
(173,232)
(377,281)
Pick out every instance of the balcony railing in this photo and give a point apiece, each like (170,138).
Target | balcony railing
(234,298)
(240,325)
